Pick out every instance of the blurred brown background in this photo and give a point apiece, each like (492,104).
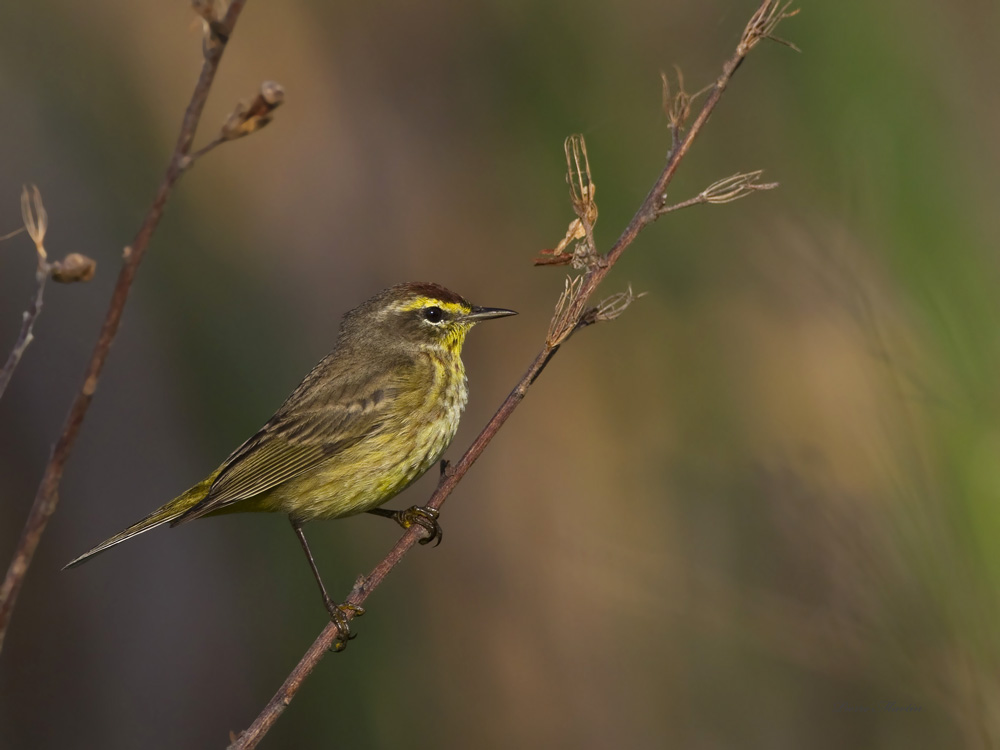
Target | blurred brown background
(756,511)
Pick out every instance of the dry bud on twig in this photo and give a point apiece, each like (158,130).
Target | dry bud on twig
(763,23)
(74,267)
(36,219)
(738,186)
(249,118)
(246,118)
(677,107)
(611,307)
(211,13)
(581,193)
(727,190)
(561,325)
(206,10)
(581,184)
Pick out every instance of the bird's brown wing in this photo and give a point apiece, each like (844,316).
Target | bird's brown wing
(325,416)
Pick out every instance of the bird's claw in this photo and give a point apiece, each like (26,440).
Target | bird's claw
(424,517)
(340,615)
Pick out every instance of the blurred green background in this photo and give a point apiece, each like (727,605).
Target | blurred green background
(757,511)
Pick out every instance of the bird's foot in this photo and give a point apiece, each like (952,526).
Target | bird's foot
(419,515)
(424,517)
(340,615)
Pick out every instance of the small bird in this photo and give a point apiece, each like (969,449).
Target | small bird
(370,418)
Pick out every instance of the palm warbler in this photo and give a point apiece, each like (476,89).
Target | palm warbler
(370,418)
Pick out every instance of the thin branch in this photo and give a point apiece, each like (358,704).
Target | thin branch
(217,33)
(570,316)
(36,223)
(74,267)
(211,145)
(25,336)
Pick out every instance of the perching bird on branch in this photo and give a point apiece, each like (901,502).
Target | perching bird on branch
(370,418)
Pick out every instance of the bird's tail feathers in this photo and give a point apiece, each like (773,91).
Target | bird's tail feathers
(169,512)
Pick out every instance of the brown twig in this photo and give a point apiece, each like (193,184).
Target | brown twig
(36,222)
(217,33)
(74,267)
(11,234)
(571,314)
(25,336)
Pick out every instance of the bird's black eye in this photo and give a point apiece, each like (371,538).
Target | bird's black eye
(433,314)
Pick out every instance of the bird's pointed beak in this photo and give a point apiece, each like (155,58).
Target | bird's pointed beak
(477,313)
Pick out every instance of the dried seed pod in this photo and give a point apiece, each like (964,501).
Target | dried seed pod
(74,267)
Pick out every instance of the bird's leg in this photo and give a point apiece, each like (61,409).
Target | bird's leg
(338,612)
(419,515)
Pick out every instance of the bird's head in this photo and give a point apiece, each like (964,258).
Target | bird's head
(421,315)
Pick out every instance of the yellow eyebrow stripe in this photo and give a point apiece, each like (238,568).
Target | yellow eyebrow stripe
(421,302)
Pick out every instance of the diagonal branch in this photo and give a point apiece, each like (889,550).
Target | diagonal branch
(218,31)
(573,315)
